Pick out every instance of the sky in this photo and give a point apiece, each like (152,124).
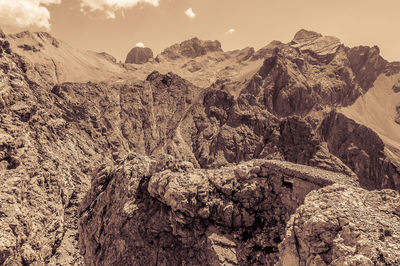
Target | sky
(116,26)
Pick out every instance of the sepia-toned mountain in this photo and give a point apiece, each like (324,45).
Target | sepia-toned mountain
(289,155)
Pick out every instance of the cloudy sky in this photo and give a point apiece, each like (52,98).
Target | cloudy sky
(115,26)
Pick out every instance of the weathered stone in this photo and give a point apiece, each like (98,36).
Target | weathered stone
(139,55)
(340,225)
(202,210)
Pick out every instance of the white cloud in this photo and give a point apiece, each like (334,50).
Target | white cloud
(111,6)
(189,12)
(140,44)
(24,13)
(230,31)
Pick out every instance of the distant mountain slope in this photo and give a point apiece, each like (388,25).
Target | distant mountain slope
(52,61)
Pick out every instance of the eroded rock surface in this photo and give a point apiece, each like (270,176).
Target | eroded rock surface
(362,150)
(342,225)
(160,211)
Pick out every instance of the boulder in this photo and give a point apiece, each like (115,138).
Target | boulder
(342,225)
(139,55)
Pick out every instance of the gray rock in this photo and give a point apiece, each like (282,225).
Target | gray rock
(139,55)
(342,225)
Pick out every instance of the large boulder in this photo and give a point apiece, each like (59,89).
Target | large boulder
(139,55)
(342,225)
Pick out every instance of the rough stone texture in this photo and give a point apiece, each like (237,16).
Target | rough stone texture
(362,150)
(159,211)
(312,72)
(139,55)
(191,48)
(342,225)
(267,50)
(52,139)
(315,44)
(296,80)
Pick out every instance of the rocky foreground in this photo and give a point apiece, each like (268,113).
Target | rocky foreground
(243,157)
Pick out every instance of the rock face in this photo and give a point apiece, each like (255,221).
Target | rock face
(159,211)
(341,225)
(191,48)
(367,64)
(139,55)
(362,150)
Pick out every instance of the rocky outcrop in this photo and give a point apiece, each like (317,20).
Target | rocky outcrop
(299,78)
(191,48)
(341,225)
(310,42)
(2,34)
(266,51)
(157,211)
(4,47)
(362,150)
(109,57)
(139,55)
(367,64)
(312,72)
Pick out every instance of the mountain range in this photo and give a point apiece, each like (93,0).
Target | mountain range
(288,155)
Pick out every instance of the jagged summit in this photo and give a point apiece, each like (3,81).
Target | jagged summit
(191,48)
(139,55)
(315,43)
(305,36)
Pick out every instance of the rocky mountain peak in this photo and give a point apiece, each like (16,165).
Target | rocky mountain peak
(367,63)
(139,55)
(315,43)
(305,36)
(191,49)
